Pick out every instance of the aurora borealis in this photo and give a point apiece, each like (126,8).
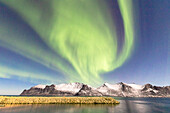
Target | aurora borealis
(56,41)
(85,39)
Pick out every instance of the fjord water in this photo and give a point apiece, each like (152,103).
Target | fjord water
(127,105)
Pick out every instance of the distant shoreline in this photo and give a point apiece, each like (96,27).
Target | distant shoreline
(83,96)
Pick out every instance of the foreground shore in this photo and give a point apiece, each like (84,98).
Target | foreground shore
(57,100)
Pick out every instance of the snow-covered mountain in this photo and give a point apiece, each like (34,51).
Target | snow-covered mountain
(71,87)
(87,90)
(61,89)
(120,89)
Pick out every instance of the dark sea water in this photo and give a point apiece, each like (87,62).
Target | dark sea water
(127,105)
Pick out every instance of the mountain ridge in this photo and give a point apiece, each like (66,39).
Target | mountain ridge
(79,89)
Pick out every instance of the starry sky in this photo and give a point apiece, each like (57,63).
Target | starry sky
(88,41)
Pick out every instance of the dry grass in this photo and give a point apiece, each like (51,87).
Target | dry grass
(57,100)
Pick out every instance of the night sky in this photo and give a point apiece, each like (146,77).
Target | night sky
(88,41)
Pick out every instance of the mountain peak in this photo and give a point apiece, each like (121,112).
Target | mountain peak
(120,83)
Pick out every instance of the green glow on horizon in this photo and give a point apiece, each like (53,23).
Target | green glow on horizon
(81,31)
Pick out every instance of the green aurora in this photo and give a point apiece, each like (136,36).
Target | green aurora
(81,32)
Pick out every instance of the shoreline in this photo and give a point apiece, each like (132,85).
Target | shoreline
(85,96)
(4,100)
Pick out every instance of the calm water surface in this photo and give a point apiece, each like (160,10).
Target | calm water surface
(127,105)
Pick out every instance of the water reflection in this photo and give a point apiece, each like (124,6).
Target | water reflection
(59,108)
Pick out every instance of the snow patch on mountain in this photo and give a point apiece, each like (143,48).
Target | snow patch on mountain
(149,90)
(114,87)
(135,86)
(40,86)
(71,87)
(106,86)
